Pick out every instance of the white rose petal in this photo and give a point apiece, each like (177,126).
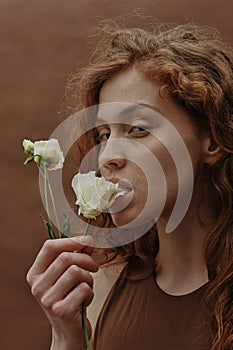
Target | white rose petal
(94,194)
(50,152)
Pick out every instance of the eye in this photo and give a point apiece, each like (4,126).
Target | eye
(139,130)
(103,135)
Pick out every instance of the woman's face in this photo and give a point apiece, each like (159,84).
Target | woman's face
(139,147)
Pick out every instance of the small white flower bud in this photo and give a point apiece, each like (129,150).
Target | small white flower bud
(28,147)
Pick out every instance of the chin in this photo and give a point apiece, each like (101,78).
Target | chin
(120,219)
(126,220)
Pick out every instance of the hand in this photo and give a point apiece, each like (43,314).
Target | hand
(60,281)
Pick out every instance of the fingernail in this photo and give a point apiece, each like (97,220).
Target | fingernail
(96,268)
(84,239)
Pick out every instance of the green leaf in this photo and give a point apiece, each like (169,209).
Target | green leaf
(49,229)
(66,227)
(63,235)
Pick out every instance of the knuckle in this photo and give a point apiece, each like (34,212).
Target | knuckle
(29,277)
(59,310)
(48,244)
(64,257)
(74,270)
(36,290)
(84,288)
(46,302)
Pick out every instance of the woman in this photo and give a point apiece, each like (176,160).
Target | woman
(171,291)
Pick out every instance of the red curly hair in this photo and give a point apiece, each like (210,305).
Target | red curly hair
(195,66)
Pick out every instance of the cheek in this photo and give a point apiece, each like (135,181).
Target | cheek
(168,166)
(178,173)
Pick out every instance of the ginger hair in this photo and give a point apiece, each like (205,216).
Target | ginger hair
(195,66)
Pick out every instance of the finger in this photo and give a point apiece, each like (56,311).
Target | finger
(71,304)
(62,263)
(88,249)
(65,284)
(52,248)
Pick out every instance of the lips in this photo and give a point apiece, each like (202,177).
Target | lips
(122,201)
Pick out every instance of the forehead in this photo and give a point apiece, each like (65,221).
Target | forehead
(128,86)
(132,87)
(126,94)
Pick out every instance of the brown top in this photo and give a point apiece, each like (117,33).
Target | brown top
(139,315)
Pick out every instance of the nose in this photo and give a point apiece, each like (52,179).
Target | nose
(112,155)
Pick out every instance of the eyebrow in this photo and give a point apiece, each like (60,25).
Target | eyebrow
(154,108)
(131,109)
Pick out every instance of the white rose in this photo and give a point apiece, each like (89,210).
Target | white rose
(28,147)
(94,194)
(49,151)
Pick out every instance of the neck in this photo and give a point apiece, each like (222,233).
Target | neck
(181,266)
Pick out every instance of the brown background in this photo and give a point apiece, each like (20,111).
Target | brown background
(41,43)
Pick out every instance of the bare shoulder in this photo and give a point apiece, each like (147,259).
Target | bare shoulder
(103,282)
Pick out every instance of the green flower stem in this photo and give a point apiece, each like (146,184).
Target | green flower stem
(85,328)
(46,192)
(47,183)
(87,227)
(83,306)
(54,207)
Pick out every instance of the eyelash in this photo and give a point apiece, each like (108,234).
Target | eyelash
(101,138)
(143,127)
